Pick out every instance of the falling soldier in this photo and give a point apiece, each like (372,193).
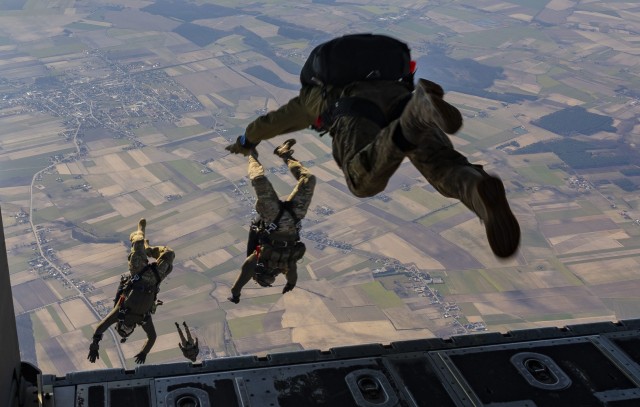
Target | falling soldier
(136,298)
(187,345)
(274,244)
(376,118)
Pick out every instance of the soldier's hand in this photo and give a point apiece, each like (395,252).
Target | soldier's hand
(241,146)
(93,352)
(287,287)
(140,358)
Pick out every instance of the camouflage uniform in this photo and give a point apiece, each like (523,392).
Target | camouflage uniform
(369,154)
(268,207)
(135,306)
(366,153)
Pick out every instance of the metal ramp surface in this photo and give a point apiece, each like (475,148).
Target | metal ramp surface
(580,365)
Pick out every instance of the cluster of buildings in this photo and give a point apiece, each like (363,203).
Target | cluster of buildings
(323,210)
(579,183)
(118,102)
(322,241)
(22,217)
(422,283)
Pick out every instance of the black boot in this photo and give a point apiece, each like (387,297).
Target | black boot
(501,226)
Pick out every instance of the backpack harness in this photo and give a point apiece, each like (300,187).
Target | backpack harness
(357,107)
(260,231)
(259,236)
(129,284)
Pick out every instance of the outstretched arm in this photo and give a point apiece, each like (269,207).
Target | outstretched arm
(299,113)
(189,337)
(246,273)
(151,340)
(106,322)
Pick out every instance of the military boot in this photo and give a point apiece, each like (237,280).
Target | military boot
(284,151)
(426,109)
(138,235)
(501,226)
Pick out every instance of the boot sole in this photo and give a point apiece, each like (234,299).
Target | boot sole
(502,228)
(290,142)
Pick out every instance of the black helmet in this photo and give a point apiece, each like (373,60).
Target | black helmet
(124,330)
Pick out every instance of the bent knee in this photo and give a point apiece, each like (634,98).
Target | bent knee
(366,191)
(168,253)
(311,181)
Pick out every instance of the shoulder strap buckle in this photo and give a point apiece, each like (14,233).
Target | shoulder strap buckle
(271,227)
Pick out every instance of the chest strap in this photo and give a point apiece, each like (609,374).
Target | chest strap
(284,206)
(358,107)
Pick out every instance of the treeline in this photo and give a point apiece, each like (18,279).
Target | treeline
(199,34)
(625,184)
(268,76)
(86,237)
(581,155)
(294,31)
(464,75)
(262,46)
(574,120)
(188,11)
(203,36)
(631,172)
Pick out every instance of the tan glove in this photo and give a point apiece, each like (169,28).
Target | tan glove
(241,146)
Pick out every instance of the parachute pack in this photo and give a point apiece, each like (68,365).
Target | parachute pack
(135,296)
(357,57)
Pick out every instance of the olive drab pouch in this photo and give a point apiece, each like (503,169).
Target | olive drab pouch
(140,299)
(253,240)
(266,278)
(268,255)
(155,306)
(281,257)
(299,249)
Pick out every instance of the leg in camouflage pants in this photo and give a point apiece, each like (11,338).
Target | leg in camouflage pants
(369,155)
(138,312)
(267,206)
